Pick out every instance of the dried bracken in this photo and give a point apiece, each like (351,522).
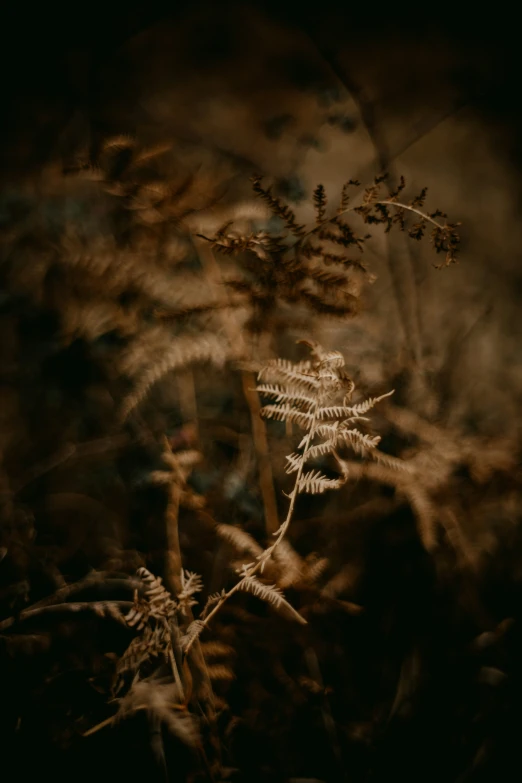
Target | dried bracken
(275,268)
(169,536)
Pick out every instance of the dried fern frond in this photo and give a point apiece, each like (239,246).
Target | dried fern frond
(315,567)
(281,394)
(269,593)
(312,394)
(292,568)
(212,601)
(277,207)
(288,413)
(192,633)
(191,584)
(159,600)
(327,381)
(275,270)
(320,202)
(154,616)
(151,643)
(217,649)
(314,482)
(220,673)
(161,701)
(300,374)
(182,352)
(239,539)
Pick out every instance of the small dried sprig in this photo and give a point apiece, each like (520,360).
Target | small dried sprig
(157,602)
(153,614)
(345,197)
(191,584)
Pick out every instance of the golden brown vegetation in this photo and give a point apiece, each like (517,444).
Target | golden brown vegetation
(132,461)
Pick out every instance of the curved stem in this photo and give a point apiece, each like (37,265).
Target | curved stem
(387,202)
(280,533)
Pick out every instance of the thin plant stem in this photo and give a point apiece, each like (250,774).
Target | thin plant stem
(173,564)
(254,568)
(386,202)
(259,436)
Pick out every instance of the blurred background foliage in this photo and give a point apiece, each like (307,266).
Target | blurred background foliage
(410,662)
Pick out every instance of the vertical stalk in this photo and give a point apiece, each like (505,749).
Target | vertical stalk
(235,336)
(173,563)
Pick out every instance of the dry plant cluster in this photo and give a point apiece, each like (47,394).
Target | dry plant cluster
(174,571)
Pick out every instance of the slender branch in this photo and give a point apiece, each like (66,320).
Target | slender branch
(352,208)
(423,215)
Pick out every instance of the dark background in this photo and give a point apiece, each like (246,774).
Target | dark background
(52,55)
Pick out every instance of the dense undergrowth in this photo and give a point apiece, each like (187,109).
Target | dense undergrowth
(189,587)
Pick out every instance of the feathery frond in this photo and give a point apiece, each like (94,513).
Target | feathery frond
(269,593)
(192,633)
(239,539)
(275,269)
(181,352)
(322,418)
